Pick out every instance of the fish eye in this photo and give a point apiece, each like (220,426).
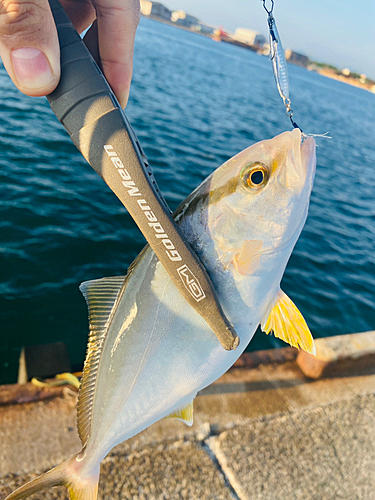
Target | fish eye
(255,175)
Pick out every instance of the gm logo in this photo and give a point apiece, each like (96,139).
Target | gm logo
(191,283)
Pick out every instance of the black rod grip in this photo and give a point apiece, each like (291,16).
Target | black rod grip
(86,106)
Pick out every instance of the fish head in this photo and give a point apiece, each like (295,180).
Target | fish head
(261,196)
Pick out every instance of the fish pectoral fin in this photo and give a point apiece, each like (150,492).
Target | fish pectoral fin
(287,323)
(184,414)
(247,260)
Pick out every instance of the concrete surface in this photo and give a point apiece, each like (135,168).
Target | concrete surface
(323,453)
(265,433)
(338,354)
(166,470)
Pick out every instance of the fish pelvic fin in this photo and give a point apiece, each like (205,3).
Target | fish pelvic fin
(66,474)
(286,322)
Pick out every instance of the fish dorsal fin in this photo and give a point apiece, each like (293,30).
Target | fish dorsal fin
(184,414)
(287,323)
(100,296)
(246,261)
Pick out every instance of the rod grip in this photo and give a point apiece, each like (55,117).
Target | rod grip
(83,92)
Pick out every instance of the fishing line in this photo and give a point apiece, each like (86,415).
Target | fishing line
(279,66)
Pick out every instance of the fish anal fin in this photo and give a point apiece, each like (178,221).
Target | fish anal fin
(287,323)
(100,296)
(184,414)
(246,261)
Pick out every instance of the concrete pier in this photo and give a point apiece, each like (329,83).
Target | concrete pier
(263,431)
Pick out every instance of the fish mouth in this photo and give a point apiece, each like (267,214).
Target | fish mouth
(298,177)
(308,158)
(300,161)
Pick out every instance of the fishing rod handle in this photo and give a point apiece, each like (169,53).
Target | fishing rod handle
(85,104)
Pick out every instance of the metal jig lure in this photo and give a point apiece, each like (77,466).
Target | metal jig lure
(279,66)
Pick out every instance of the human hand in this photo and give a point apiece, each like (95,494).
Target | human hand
(30,50)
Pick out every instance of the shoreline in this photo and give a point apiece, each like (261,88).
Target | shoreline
(345,79)
(325,71)
(337,355)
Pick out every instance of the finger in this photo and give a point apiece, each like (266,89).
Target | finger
(117,24)
(92,42)
(29,46)
(80,12)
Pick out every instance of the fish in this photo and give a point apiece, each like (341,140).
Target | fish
(149,353)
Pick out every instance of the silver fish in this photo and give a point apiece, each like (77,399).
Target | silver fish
(149,352)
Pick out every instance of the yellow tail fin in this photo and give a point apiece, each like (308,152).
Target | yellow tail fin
(64,474)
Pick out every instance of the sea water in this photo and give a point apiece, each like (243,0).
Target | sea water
(194,103)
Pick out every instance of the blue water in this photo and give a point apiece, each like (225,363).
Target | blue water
(194,103)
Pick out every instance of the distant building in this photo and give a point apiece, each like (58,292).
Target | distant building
(249,37)
(204,28)
(181,18)
(265,49)
(155,9)
(346,72)
(295,58)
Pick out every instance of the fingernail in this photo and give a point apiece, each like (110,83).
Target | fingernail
(123,98)
(31,68)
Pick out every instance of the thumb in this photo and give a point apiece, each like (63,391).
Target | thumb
(29,45)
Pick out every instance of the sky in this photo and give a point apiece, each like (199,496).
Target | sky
(335,32)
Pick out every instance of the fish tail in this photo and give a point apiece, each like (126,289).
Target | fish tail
(67,474)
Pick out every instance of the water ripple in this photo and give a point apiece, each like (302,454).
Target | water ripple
(194,103)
